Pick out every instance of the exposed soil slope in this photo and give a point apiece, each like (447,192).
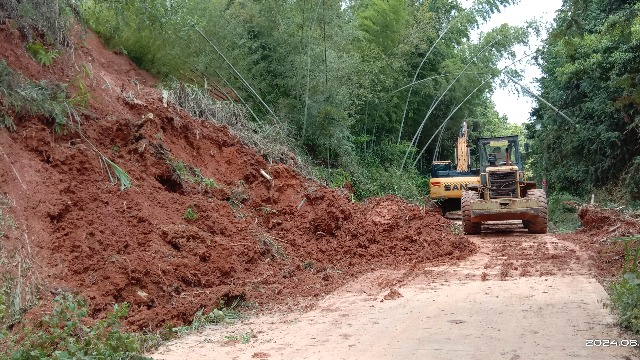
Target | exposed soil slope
(272,242)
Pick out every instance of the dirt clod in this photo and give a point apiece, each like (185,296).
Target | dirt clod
(393,294)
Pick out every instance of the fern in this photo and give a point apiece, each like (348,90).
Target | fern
(40,53)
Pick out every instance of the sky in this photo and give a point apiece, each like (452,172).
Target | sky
(508,101)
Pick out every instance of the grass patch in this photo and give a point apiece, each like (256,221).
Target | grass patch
(7,122)
(563,212)
(221,315)
(185,172)
(243,338)
(270,246)
(238,195)
(190,214)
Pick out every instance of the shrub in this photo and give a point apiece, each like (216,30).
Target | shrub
(625,293)
(63,335)
(563,212)
(50,18)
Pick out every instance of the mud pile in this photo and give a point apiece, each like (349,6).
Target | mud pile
(169,246)
(599,236)
(595,219)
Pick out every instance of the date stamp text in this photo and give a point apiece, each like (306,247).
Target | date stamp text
(612,342)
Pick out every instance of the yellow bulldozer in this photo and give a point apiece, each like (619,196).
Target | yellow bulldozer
(502,193)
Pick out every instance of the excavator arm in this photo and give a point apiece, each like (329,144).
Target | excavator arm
(462,151)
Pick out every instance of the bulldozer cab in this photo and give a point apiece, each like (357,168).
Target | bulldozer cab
(499,151)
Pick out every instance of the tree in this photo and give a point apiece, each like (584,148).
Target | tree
(590,65)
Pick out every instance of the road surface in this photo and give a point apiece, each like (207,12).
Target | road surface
(520,296)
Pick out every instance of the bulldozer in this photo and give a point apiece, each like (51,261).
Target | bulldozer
(502,193)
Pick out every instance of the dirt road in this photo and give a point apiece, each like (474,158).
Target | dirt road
(519,297)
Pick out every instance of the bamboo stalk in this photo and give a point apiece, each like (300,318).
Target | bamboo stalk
(237,73)
(415,76)
(437,101)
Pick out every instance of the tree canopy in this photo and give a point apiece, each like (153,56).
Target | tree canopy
(590,63)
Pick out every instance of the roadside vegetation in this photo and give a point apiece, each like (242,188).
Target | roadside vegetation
(590,142)
(563,212)
(625,293)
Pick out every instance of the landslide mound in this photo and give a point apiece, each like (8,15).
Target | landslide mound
(607,222)
(600,227)
(168,246)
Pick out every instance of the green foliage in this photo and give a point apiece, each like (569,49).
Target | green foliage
(50,20)
(625,297)
(625,293)
(632,180)
(24,97)
(383,22)
(185,172)
(590,69)
(7,122)
(243,338)
(41,54)
(190,214)
(78,85)
(563,213)
(209,183)
(64,335)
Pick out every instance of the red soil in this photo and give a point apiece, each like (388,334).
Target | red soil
(601,228)
(272,242)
